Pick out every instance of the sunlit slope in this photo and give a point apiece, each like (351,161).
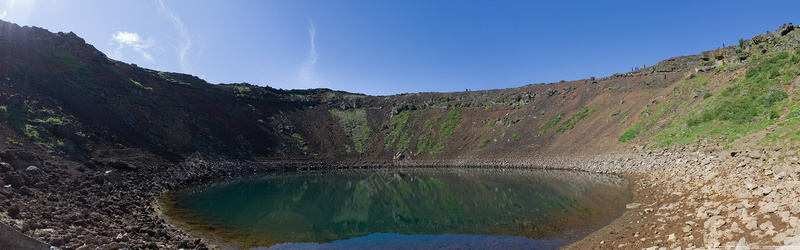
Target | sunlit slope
(64,96)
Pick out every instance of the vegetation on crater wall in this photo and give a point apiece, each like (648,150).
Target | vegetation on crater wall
(549,124)
(64,60)
(747,104)
(425,143)
(41,125)
(630,133)
(450,121)
(424,134)
(397,138)
(483,143)
(755,99)
(355,126)
(16,116)
(300,142)
(647,119)
(574,119)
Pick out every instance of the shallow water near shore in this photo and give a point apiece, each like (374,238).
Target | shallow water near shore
(402,208)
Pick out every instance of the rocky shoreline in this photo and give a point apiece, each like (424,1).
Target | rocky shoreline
(686,200)
(704,200)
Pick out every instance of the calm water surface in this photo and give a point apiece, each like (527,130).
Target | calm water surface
(402,208)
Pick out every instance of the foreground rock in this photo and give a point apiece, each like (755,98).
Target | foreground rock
(704,200)
(686,200)
(15,240)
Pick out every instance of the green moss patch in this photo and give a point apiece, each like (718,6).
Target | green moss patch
(397,139)
(574,119)
(745,105)
(549,124)
(354,124)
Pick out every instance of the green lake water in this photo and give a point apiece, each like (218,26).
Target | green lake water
(402,208)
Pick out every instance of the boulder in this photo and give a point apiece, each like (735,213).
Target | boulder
(742,244)
(112,177)
(121,165)
(35,171)
(25,191)
(633,205)
(793,41)
(13,211)
(706,68)
(746,44)
(66,130)
(48,125)
(762,48)
(44,134)
(755,155)
(779,238)
(743,56)
(14,179)
(705,56)
(20,159)
(5,167)
(792,242)
(757,39)
(770,38)
(783,168)
(784,29)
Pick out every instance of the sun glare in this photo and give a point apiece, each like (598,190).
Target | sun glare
(18,11)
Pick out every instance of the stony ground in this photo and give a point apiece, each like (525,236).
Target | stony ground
(704,200)
(109,203)
(681,200)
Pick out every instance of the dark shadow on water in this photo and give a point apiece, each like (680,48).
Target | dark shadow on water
(444,241)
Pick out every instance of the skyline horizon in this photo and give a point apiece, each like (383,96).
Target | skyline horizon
(393,48)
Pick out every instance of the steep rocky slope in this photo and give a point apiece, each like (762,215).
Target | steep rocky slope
(93,126)
(68,98)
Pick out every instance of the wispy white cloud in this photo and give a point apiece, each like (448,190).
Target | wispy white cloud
(307,75)
(133,41)
(3,15)
(186,40)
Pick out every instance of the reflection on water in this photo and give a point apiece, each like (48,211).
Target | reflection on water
(443,207)
(428,241)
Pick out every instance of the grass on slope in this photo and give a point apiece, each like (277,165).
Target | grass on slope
(63,60)
(425,142)
(574,119)
(743,106)
(647,119)
(396,138)
(354,124)
(29,119)
(450,121)
(446,129)
(787,131)
(549,124)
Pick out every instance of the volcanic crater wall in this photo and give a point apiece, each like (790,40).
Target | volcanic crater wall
(62,95)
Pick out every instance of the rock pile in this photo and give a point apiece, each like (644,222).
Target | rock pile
(720,199)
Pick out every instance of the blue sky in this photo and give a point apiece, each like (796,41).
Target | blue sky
(409,46)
